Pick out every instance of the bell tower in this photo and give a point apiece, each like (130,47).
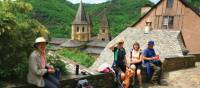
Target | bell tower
(81,27)
(104,27)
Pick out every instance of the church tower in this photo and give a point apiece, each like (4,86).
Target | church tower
(104,27)
(81,26)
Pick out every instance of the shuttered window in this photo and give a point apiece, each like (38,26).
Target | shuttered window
(170,3)
(168,22)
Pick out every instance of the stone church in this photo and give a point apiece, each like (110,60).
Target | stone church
(82,26)
(81,33)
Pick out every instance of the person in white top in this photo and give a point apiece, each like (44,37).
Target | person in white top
(136,60)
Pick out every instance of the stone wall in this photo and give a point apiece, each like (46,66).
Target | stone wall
(176,63)
(197,57)
(98,81)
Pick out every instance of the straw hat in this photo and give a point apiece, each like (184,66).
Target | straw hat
(40,40)
(120,40)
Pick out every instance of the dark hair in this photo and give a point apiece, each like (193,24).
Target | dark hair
(137,44)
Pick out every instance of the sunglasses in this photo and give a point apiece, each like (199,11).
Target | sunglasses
(120,43)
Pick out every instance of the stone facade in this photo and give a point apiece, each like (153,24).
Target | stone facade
(175,15)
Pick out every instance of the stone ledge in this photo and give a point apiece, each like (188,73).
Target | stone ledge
(99,81)
(176,63)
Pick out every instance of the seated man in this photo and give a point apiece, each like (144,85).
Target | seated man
(151,60)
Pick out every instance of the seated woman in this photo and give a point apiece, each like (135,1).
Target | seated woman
(136,60)
(39,71)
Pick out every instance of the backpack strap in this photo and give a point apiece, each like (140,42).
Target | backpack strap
(116,55)
(131,52)
(140,52)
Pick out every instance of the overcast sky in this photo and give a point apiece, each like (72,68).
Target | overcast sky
(98,1)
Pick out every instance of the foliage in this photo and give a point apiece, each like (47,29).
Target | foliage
(57,15)
(57,63)
(17,33)
(195,3)
(77,56)
(121,14)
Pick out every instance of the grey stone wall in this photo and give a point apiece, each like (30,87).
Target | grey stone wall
(197,57)
(176,63)
(98,81)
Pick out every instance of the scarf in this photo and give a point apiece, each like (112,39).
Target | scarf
(43,59)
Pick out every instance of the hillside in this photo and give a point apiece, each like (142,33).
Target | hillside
(57,15)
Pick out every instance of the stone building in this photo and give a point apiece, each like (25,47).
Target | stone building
(81,26)
(81,33)
(104,27)
(173,15)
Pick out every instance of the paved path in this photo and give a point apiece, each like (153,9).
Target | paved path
(186,78)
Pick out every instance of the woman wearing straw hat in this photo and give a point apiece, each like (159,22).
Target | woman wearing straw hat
(39,70)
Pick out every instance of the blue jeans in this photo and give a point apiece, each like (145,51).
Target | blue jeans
(52,81)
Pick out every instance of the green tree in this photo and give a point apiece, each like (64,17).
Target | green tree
(17,34)
(195,3)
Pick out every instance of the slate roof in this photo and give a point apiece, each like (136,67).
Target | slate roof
(96,46)
(98,43)
(72,44)
(167,43)
(57,41)
(81,17)
(104,20)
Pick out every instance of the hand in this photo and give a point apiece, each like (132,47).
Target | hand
(156,57)
(51,70)
(153,58)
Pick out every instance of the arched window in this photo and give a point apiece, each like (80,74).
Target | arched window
(103,30)
(83,29)
(77,29)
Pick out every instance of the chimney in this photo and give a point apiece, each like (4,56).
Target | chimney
(144,10)
(148,26)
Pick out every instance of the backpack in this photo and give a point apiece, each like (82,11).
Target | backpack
(83,84)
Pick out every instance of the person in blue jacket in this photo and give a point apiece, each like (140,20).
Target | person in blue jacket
(151,62)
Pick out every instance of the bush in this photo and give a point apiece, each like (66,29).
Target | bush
(78,56)
(57,63)
(17,34)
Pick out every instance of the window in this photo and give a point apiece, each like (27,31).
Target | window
(103,30)
(83,29)
(168,22)
(170,3)
(77,29)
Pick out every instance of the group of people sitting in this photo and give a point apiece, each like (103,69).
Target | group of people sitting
(127,66)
